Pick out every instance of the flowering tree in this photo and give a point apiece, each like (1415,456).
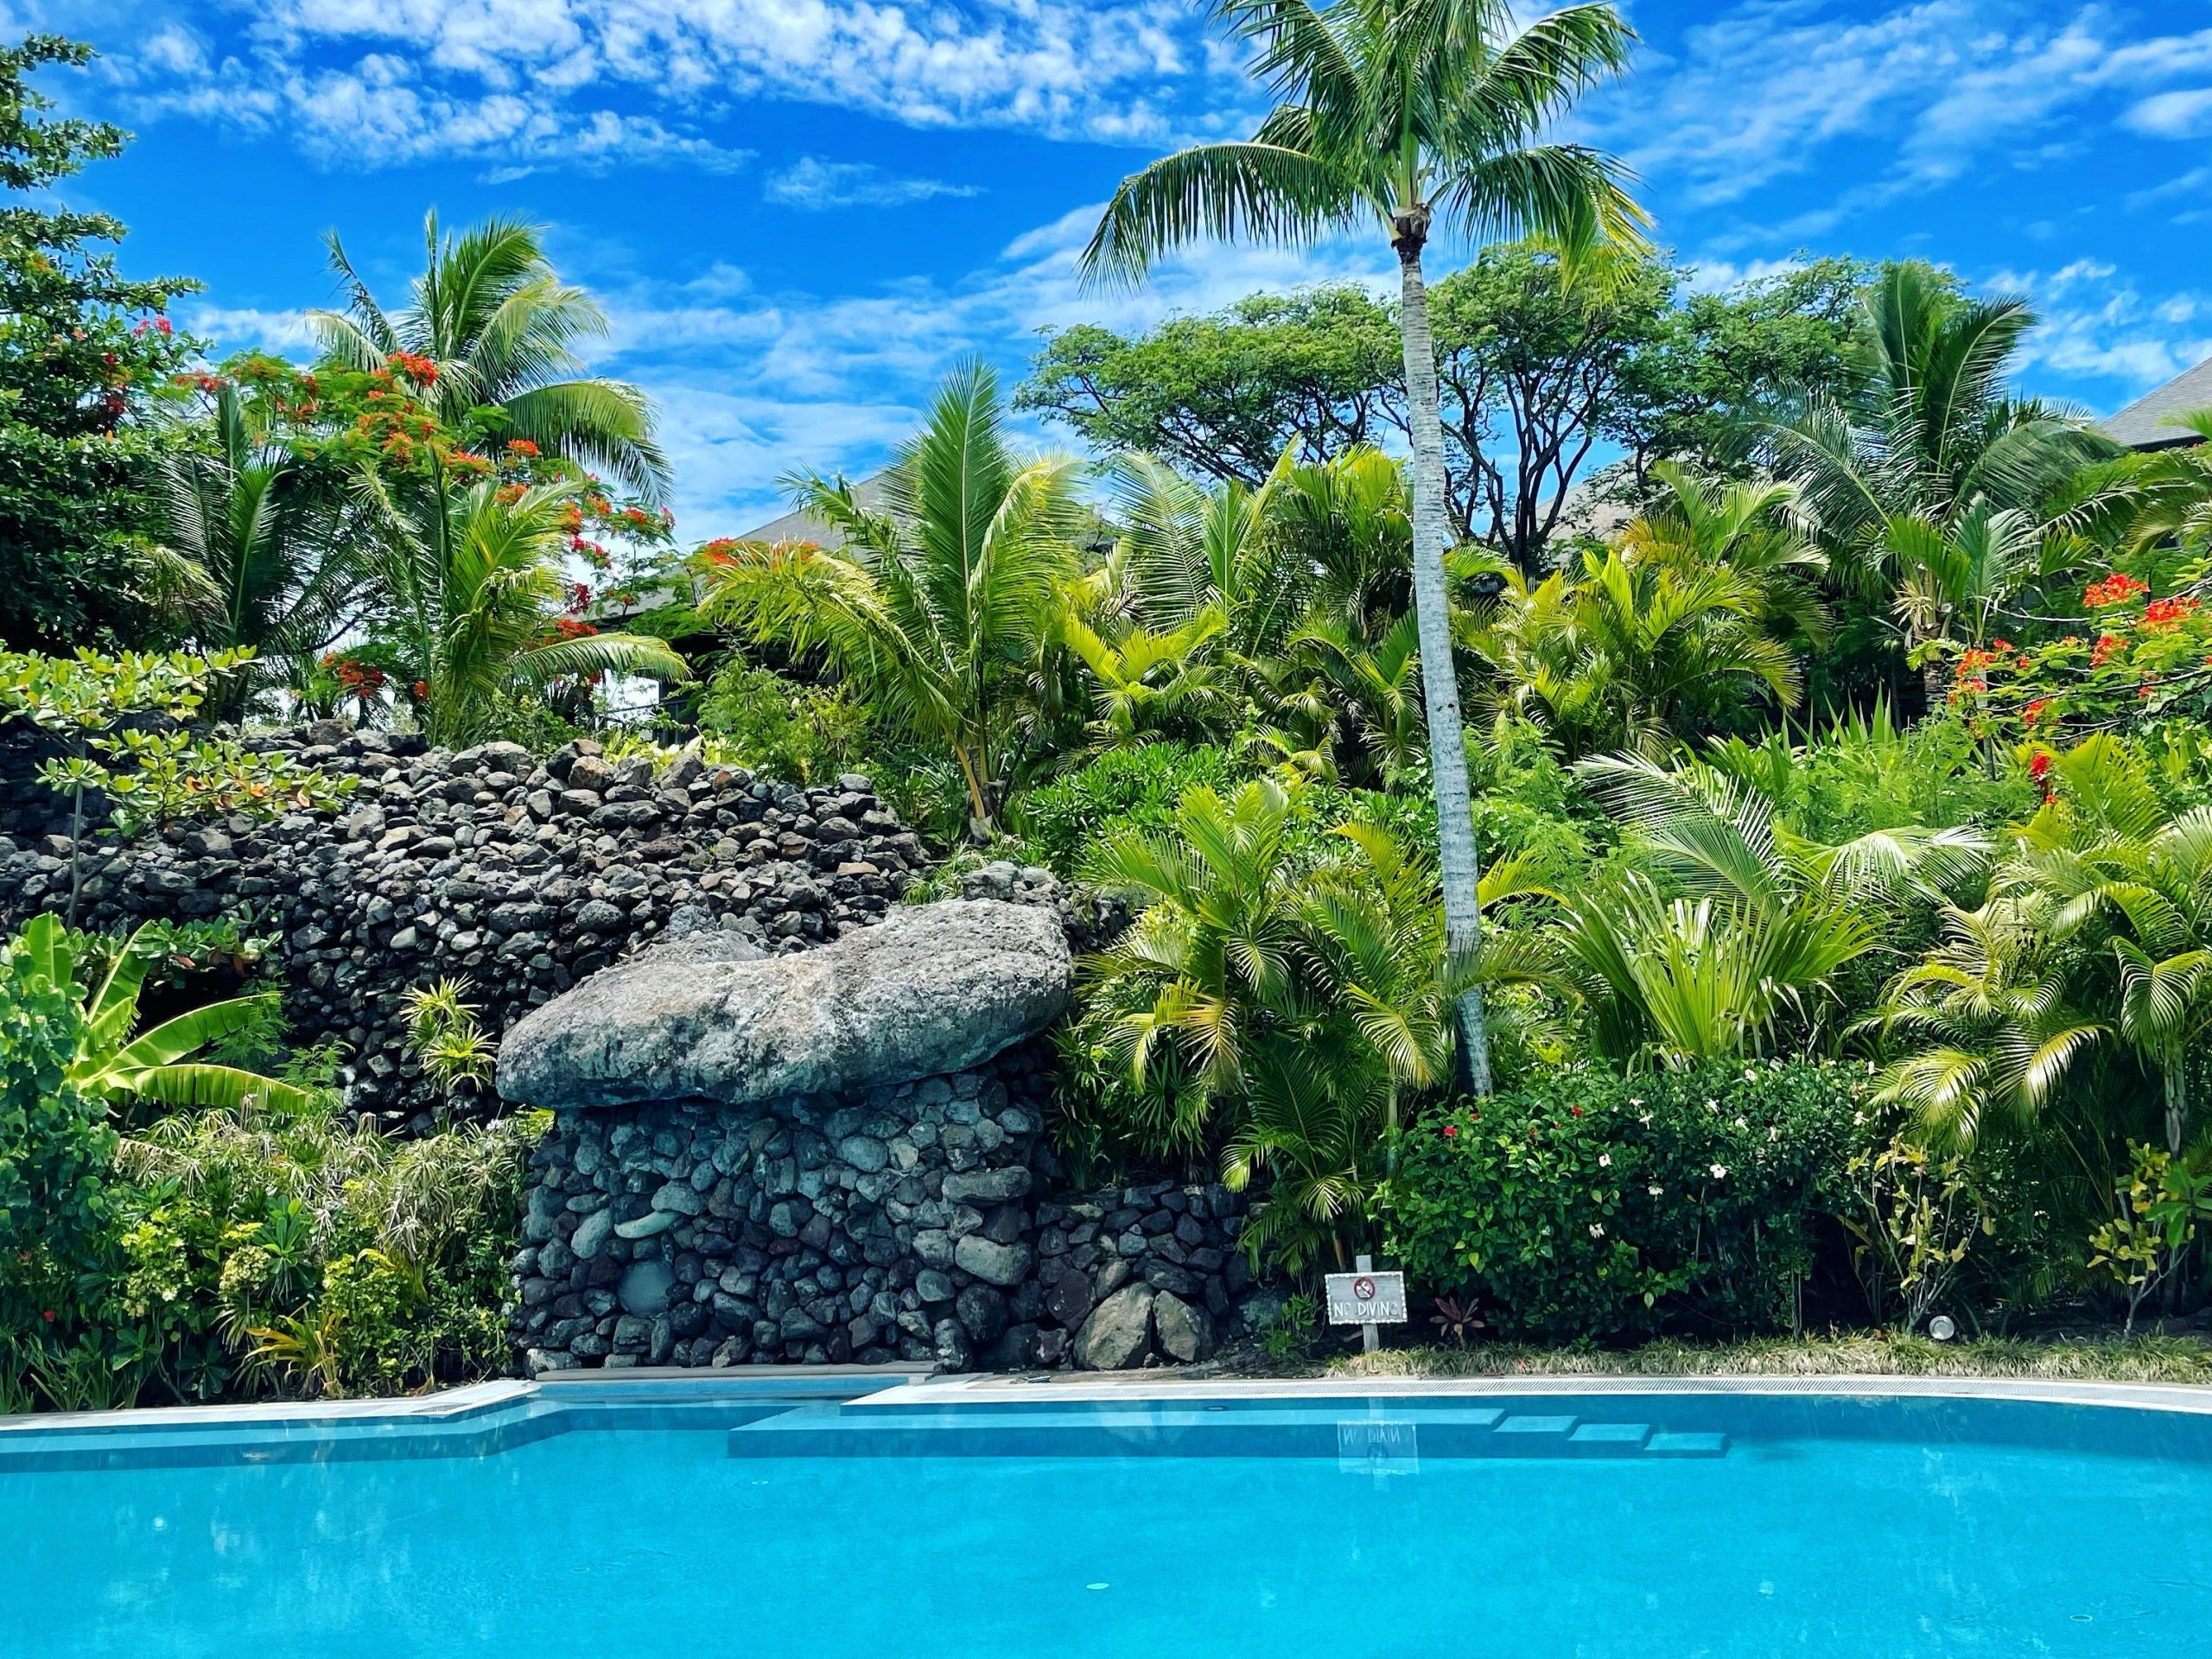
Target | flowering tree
(2132,660)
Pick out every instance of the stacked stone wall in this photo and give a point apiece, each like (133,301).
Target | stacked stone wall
(525,876)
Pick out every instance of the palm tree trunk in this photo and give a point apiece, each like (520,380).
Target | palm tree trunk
(1455,829)
(2176,1103)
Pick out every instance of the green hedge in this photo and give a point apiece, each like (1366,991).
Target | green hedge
(1597,1206)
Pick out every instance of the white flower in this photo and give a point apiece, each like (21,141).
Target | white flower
(1859,1117)
(1775,1134)
(1750,1074)
(1604,1160)
(1597,1230)
(1638,1100)
(1720,1172)
(1644,1117)
(1743,1123)
(1870,1068)
(1712,1105)
(1654,1189)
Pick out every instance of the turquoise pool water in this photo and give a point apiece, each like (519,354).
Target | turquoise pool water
(1615,1526)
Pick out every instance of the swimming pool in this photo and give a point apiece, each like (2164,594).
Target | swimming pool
(1001,1522)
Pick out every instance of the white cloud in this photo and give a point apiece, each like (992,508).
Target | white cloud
(2174,115)
(1928,90)
(483,74)
(2095,326)
(817,186)
(237,329)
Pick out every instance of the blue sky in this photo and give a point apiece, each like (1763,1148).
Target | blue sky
(799,212)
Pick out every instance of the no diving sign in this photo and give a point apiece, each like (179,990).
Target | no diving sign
(1367,1297)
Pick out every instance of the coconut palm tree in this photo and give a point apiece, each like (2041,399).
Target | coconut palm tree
(935,605)
(282,578)
(1411,116)
(474,597)
(501,330)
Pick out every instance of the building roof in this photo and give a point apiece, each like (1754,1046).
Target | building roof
(868,495)
(2141,425)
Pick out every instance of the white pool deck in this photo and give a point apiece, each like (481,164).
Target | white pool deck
(861,1388)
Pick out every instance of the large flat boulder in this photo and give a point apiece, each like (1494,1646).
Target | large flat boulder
(932,988)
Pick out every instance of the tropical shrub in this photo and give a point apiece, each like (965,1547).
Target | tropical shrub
(756,718)
(233,1253)
(1064,821)
(1588,1204)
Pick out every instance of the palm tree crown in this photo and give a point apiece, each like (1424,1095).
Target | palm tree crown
(936,605)
(502,329)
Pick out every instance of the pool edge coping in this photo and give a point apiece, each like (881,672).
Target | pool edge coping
(907,1388)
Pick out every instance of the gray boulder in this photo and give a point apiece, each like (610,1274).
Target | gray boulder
(930,990)
(1118,1331)
(1186,1330)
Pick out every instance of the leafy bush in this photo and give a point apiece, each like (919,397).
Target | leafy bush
(55,1148)
(1063,822)
(1594,1206)
(756,718)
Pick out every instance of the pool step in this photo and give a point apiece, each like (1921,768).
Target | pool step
(1351,1432)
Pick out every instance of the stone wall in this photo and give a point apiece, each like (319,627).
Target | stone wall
(924,1222)
(525,876)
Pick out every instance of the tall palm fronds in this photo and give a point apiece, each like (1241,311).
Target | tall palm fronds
(502,330)
(281,576)
(1953,579)
(472,587)
(936,605)
(1765,920)
(1632,653)
(1926,427)
(2114,870)
(1401,115)
(1755,530)
(1986,1023)
(1185,549)
(1348,522)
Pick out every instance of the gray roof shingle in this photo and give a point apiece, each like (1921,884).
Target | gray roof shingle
(2141,424)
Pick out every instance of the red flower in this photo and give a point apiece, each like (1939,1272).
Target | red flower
(2164,615)
(48,1316)
(522,447)
(2039,766)
(2035,710)
(2115,589)
(1450,1128)
(1577,1111)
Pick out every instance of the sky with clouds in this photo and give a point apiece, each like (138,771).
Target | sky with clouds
(799,212)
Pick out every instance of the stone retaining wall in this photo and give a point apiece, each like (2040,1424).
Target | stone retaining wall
(525,876)
(924,1222)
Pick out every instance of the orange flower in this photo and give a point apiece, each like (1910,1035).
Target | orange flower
(2115,589)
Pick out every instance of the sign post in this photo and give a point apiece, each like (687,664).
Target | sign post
(1367,1298)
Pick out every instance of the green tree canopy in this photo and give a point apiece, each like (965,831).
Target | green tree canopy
(82,351)
(1222,396)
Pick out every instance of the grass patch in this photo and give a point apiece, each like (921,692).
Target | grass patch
(2146,1358)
